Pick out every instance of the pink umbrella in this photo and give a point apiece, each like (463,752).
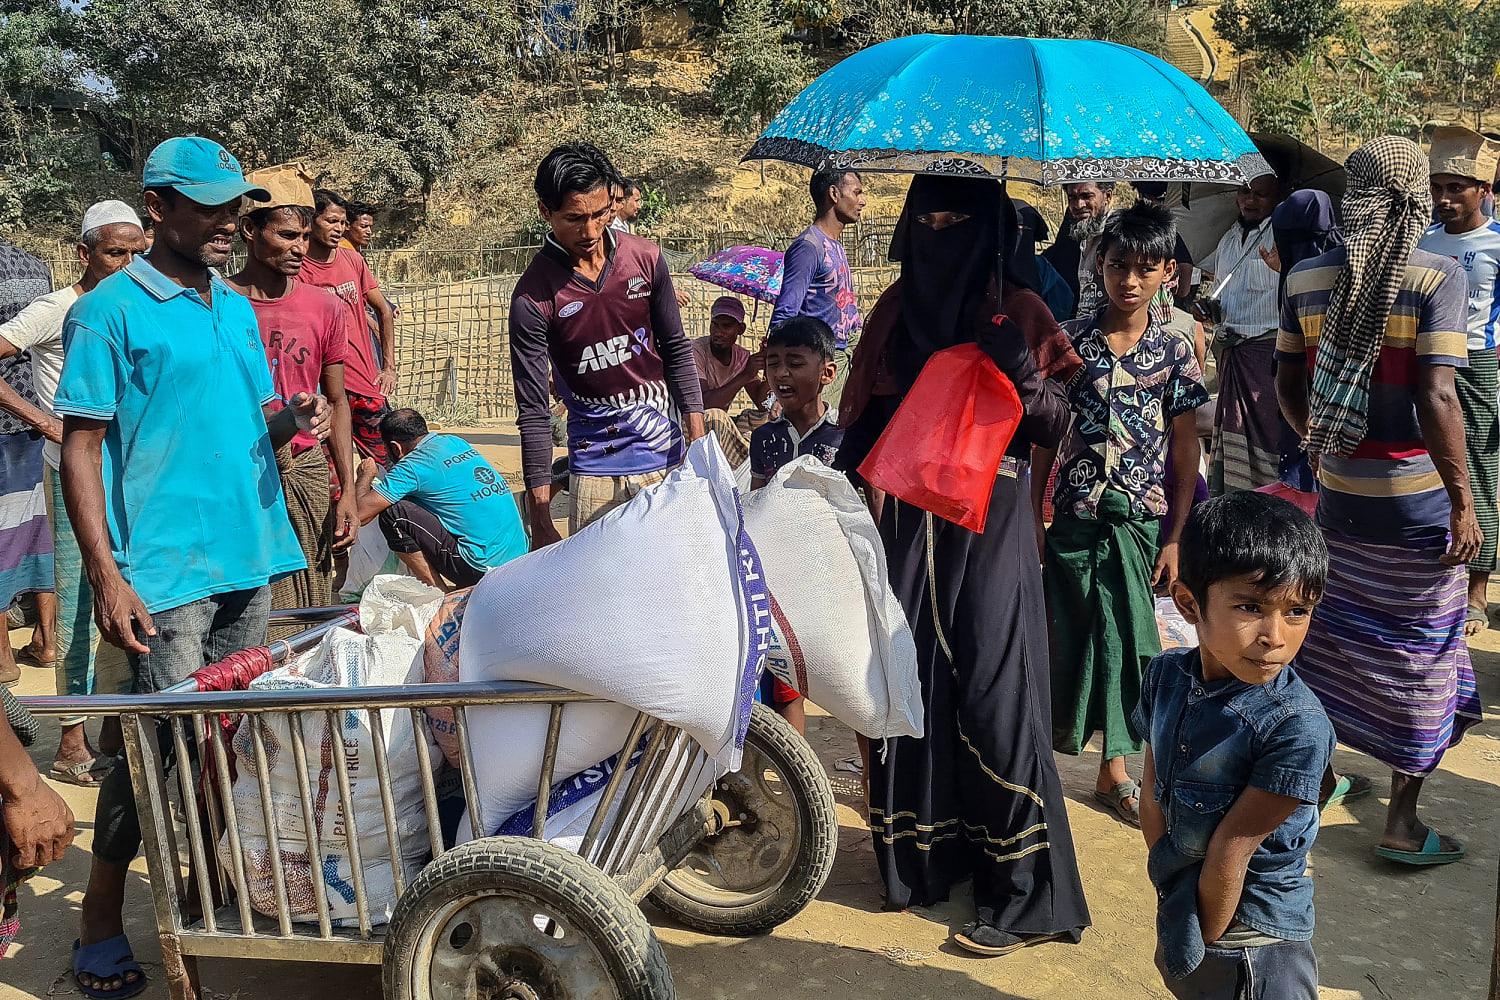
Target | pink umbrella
(752,271)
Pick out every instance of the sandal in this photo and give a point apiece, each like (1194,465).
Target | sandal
(1114,800)
(1477,616)
(1432,852)
(28,655)
(106,961)
(1346,789)
(991,942)
(97,768)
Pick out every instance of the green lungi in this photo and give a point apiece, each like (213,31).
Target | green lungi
(1476,386)
(1098,584)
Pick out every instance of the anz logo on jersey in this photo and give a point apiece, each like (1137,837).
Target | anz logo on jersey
(608,353)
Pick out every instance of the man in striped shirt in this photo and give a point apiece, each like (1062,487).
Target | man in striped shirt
(1385,652)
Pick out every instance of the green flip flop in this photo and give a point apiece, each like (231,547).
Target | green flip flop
(1432,852)
(1345,790)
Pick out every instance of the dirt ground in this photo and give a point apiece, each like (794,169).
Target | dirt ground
(1384,932)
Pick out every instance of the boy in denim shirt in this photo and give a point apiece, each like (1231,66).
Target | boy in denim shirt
(1236,747)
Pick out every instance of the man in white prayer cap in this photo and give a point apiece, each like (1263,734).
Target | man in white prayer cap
(110,237)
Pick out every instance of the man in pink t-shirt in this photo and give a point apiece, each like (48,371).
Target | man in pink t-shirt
(343,271)
(724,368)
(304,330)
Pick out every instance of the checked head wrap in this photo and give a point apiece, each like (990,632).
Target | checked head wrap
(1387,207)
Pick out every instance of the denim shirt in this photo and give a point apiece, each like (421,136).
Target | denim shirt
(1210,741)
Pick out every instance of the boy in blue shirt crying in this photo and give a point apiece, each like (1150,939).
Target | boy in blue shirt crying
(1236,748)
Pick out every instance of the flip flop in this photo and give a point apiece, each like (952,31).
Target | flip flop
(25,655)
(1432,852)
(1114,801)
(107,960)
(99,767)
(1477,615)
(1345,791)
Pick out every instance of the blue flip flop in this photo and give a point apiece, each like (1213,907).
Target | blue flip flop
(1432,852)
(107,960)
(1344,791)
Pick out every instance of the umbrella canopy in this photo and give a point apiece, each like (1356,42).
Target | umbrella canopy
(752,271)
(1206,211)
(1046,110)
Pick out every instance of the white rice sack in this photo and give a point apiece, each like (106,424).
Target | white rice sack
(370,556)
(345,659)
(395,603)
(1174,629)
(659,605)
(839,635)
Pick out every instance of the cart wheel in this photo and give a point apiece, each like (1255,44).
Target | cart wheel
(508,918)
(766,866)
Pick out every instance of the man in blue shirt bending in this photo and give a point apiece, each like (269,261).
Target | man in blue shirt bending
(169,477)
(444,510)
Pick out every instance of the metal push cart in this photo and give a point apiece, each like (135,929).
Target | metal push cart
(501,917)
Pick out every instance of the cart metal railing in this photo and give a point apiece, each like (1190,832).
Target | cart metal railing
(203,907)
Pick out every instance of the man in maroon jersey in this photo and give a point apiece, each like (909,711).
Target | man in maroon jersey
(596,308)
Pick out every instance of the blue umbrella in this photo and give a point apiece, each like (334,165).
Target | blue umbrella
(1046,110)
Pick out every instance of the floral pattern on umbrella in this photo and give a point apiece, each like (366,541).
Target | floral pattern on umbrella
(752,271)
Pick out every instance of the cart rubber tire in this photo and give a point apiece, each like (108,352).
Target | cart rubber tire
(532,874)
(782,749)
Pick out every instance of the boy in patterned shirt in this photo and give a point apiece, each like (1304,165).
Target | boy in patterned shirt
(1107,546)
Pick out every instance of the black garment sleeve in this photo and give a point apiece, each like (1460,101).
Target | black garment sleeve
(1045,404)
(531,367)
(672,344)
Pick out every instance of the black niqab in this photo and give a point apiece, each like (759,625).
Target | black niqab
(947,274)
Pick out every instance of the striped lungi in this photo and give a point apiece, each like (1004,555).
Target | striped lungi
(309,508)
(25,538)
(732,441)
(1386,653)
(1476,386)
(1246,453)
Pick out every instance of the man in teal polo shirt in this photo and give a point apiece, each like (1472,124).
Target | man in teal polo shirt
(445,511)
(169,477)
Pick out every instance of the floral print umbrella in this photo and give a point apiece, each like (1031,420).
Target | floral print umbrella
(1047,110)
(752,271)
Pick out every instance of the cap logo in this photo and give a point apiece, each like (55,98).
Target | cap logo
(226,162)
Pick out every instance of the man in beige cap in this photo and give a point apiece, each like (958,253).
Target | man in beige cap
(109,238)
(304,330)
(1463,166)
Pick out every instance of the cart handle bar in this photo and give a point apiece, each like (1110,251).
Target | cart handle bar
(256,702)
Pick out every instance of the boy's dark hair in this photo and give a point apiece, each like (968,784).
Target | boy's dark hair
(402,426)
(573,168)
(322,198)
(804,331)
(1255,534)
(821,181)
(631,185)
(358,208)
(261,216)
(1143,230)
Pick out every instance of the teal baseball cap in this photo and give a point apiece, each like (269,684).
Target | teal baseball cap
(201,170)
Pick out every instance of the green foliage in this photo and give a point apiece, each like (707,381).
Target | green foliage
(758,70)
(1284,28)
(1454,46)
(1130,22)
(627,130)
(653,207)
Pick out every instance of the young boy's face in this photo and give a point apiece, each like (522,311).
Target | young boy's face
(1246,629)
(797,375)
(1131,280)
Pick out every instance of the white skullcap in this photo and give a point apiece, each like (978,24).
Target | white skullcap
(109,213)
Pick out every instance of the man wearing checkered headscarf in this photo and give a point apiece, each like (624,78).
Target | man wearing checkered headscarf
(1387,206)
(1382,323)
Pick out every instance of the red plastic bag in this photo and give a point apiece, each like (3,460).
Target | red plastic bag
(942,449)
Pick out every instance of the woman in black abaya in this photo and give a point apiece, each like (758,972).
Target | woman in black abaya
(979,795)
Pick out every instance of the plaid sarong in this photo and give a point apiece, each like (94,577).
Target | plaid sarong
(365,414)
(304,482)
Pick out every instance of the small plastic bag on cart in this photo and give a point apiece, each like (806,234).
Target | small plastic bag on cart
(838,634)
(345,659)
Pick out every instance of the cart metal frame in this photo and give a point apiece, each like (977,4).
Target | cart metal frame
(191,890)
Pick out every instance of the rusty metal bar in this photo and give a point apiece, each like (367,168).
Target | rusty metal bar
(310,825)
(429,789)
(544,781)
(201,868)
(466,769)
(232,827)
(351,824)
(273,836)
(591,836)
(387,801)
